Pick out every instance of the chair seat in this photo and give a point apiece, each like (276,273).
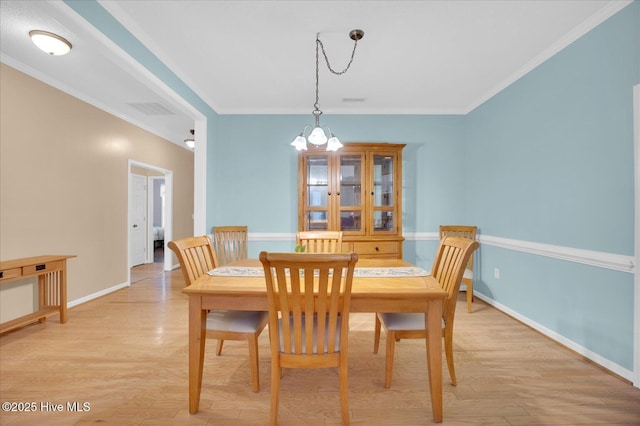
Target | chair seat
(403,321)
(315,333)
(236,321)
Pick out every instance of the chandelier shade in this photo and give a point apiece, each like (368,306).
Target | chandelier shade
(317,136)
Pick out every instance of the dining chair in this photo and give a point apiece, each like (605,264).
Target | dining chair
(448,267)
(305,331)
(230,243)
(320,241)
(197,257)
(464,232)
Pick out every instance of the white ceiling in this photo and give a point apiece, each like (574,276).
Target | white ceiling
(258,57)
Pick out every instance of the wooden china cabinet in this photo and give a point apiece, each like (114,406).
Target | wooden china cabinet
(356,190)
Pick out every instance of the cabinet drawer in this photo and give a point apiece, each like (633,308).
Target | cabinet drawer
(10,273)
(40,268)
(376,247)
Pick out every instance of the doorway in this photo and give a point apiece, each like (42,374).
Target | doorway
(150,217)
(156,207)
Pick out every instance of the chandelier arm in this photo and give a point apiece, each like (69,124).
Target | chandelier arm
(326,58)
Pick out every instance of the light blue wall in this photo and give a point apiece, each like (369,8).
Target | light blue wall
(552,155)
(254,171)
(550,160)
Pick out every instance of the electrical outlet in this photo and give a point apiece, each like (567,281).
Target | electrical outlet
(496,273)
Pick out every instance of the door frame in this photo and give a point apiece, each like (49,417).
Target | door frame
(636,280)
(167,212)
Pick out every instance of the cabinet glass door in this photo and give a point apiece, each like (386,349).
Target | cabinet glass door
(350,192)
(383,196)
(317,202)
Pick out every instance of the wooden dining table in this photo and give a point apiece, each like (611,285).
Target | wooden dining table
(379,285)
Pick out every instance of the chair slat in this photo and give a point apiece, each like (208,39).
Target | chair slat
(230,243)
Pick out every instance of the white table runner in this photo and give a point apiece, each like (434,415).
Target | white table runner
(256,271)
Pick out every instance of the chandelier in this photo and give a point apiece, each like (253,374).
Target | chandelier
(318,136)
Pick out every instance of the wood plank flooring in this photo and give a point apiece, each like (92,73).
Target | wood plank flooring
(125,355)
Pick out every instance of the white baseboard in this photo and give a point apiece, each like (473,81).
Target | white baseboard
(97,294)
(611,366)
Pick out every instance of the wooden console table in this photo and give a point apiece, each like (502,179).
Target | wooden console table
(51,271)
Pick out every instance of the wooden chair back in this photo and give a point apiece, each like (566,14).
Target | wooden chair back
(320,241)
(307,293)
(196,256)
(462,231)
(309,299)
(230,243)
(448,267)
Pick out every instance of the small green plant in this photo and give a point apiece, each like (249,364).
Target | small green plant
(300,248)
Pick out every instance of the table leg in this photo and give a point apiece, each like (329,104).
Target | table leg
(433,319)
(197,336)
(43,296)
(63,293)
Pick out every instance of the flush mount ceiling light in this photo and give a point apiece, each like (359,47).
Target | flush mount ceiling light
(50,43)
(318,137)
(190,141)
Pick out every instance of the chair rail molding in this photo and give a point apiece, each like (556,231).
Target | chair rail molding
(599,259)
(616,262)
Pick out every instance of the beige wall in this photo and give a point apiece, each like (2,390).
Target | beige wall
(63,185)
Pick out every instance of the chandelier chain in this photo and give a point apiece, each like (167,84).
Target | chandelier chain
(316,111)
(319,44)
(326,58)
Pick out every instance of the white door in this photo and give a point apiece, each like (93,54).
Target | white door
(138,220)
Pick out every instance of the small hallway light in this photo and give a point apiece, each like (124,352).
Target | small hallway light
(190,141)
(51,43)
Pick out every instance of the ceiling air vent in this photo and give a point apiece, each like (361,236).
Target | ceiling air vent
(151,108)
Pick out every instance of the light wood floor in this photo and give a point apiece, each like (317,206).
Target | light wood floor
(126,355)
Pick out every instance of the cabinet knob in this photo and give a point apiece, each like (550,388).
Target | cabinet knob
(377,248)
(371,192)
(329,193)
(338,193)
